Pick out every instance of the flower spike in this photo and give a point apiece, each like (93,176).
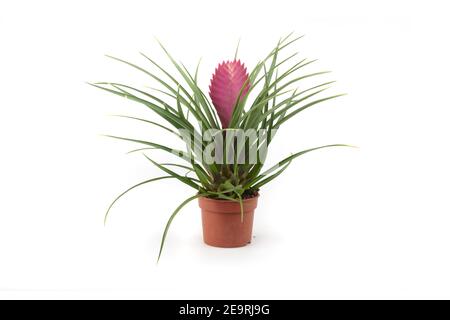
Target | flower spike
(226,84)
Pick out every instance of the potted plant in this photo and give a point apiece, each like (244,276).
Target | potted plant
(226,136)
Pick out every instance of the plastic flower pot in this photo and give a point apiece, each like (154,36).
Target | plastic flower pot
(223,223)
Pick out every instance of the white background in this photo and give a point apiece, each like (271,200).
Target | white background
(341,223)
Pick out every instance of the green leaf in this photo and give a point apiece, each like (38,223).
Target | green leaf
(270,178)
(168,116)
(151,144)
(199,117)
(237,49)
(169,222)
(286,160)
(177,165)
(279,123)
(241,204)
(196,81)
(141,149)
(129,189)
(151,122)
(190,81)
(158,100)
(183,179)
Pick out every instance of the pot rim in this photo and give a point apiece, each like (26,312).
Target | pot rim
(229,201)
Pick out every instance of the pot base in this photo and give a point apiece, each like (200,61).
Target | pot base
(225,247)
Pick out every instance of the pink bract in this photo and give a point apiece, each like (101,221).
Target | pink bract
(226,84)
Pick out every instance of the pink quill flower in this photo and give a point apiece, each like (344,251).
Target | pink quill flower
(226,84)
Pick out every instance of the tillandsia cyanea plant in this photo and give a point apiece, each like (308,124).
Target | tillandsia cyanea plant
(226,136)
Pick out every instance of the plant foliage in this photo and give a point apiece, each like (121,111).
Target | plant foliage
(182,106)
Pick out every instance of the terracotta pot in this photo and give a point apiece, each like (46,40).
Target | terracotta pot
(222,224)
